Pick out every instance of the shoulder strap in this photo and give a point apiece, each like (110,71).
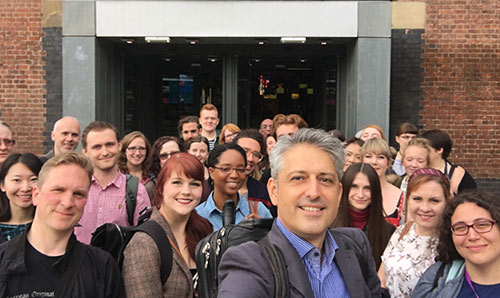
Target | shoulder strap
(405,230)
(131,197)
(439,273)
(156,232)
(280,273)
(452,170)
(69,278)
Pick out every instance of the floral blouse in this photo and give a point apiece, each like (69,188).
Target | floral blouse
(406,260)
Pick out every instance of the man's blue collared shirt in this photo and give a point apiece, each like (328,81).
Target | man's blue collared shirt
(324,275)
(209,211)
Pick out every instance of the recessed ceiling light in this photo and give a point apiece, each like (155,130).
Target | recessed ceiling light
(293,40)
(164,39)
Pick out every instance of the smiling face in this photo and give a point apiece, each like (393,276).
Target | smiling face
(480,251)
(352,155)
(307,192)
(425,205)
(18,185)
(379,162)
(252,148)
(209,119)
(200,150)
(66,135)
(167,150)
(103,149)
(415,158)
(181,195)
(61,199)
(228,184)
(5,137)
(136,152)
(266,127)
(370,133)
(360,193)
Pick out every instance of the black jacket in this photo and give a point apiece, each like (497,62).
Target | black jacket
(98,276)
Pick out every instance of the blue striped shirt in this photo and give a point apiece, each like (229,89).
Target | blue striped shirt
(324,275)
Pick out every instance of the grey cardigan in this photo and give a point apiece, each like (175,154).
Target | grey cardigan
(448,286)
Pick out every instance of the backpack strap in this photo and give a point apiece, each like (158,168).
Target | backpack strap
(131,196)
(439,273)
(156,232)
(280,273)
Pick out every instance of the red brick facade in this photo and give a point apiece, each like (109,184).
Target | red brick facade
(22,84)
(461,87)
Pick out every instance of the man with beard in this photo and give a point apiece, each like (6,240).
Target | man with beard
(252,142)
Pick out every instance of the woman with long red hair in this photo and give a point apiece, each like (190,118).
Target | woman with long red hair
(178,192)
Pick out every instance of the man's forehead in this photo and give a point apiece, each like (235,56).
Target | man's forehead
(299,158)
(68,125)
(209,113)
(189,125)
(106,135)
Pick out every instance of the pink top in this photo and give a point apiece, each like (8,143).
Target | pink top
(108,205)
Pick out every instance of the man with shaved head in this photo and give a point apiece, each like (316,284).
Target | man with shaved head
(66,135)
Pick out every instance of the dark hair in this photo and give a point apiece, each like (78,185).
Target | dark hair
(197,227)
(188,119)
(446,248)
(98,126)
(196,139)
(338,134)
(153,164)
(406,128)
(122,160)
(439,139)
(33,163)
(252,134)
(213,157)
(378,230)
(351,140)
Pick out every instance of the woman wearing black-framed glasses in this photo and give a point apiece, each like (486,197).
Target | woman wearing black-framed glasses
(468,251)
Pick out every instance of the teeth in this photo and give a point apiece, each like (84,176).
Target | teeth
(310,208)
(184,200)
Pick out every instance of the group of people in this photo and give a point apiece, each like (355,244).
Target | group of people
(354,217)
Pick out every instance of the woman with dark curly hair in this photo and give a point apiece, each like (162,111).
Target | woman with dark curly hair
(468,251)
(163,148)
(135,149)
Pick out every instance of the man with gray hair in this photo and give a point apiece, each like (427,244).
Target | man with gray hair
(305,186)
(66,135)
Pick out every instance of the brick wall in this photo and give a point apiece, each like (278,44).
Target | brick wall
(461,87)
(22,92)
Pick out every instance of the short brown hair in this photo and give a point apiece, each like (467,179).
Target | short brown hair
(407,128)
(208,107)
(98,126)
(293,119)
(65,158)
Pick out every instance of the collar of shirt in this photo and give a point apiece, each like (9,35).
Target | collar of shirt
(119,180)
(211,207)
(303,247)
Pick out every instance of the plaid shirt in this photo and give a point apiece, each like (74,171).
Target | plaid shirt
(108,205)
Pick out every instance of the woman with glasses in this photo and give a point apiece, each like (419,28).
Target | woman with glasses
(162,150)
(468,251)
(179,189)
(412,247)
(227,166)
(6,141)
(228,133)
(135,149)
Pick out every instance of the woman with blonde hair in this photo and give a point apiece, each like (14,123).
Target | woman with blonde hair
(135,150)
(228,133)
(376,152)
